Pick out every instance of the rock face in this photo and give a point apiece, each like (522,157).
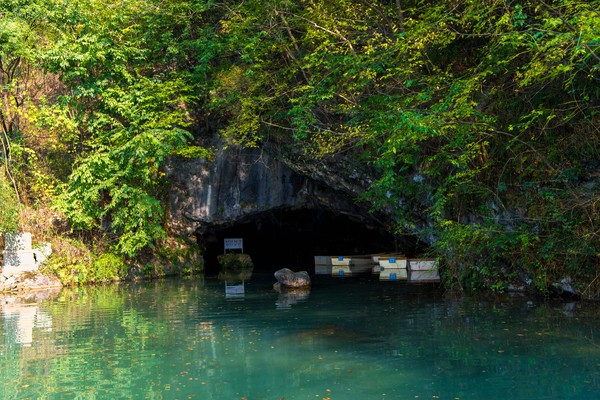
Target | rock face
(287,212)
(241,182)
(290,279)
(29,280)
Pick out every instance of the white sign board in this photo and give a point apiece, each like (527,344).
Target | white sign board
(234,244)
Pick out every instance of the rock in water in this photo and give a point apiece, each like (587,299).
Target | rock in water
(288,278)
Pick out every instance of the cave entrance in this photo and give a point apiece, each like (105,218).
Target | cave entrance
(290,238)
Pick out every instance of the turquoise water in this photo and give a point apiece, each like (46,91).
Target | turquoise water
(345,339)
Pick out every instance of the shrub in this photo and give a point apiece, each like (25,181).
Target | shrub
(9,211)
(108,267)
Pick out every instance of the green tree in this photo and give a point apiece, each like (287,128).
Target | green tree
(476,120)
(476,123)
(20,24)
(130,94)
(9,212)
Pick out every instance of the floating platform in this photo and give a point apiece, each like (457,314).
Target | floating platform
(342,266)
(322,265)
(423,270)
(389,267)
(376,257)
(393,268)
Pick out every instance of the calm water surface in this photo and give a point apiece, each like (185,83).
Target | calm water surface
(345,339)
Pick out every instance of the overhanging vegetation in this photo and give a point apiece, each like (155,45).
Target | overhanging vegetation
(479,120)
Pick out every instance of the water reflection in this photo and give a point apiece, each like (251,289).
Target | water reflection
(235,290)
(351,339)
(290,296)
(235,283)
(21,315)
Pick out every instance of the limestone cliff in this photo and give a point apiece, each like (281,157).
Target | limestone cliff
(287,213)
(241,181)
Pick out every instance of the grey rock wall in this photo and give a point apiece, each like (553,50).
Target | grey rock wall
(242,182)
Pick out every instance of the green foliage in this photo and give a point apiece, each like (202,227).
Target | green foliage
(108,267)
(194,152)
(19,26)
(9,212)
(75,264)
(71,262)
(131,109)
(31,174)
(181,256)
(118,182)
(153,270)
(476,123)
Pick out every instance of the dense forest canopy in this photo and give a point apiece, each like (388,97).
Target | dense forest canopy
(478,119)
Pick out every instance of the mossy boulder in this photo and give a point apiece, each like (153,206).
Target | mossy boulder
(289,279)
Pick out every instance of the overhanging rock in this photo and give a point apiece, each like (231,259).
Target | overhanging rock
(286,213)
(241,182)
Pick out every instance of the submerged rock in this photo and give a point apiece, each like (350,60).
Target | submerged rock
(290,279)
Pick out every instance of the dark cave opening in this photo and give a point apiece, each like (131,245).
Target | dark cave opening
(279,238)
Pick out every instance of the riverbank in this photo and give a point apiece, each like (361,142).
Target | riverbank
(27,281)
